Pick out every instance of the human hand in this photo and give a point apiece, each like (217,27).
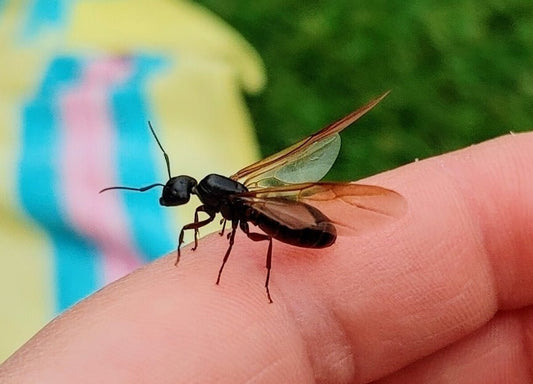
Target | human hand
(443,294)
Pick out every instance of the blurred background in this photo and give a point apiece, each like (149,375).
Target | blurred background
(224,83)
(460,72)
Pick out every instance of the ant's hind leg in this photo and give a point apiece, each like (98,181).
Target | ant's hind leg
(254,236)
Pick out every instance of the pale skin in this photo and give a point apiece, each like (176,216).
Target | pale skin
(442,295)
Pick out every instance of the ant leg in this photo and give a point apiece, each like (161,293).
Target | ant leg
(195,226)
(231,237)
(223,223)
(201,208)
(254,236)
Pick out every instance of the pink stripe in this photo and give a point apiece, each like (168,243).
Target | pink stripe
(88,165)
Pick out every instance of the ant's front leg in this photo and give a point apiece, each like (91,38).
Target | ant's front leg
(197,224)
(201,208)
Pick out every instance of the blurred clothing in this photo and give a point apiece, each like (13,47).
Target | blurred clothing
(80,80)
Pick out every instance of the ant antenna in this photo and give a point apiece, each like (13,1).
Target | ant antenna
(162,150)
(143,189)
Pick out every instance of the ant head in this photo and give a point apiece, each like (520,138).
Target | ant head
(177,191)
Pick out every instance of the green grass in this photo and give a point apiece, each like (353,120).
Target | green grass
(460,72)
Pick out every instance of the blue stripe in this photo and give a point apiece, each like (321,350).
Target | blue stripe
(39,186)
(46,13)
(140,162)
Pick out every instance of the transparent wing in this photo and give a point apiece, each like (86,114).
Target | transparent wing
(308,160)
(353,208)
(311,164)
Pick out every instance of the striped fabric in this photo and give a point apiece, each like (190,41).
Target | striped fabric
(77,89)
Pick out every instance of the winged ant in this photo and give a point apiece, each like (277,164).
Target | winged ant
(278,194)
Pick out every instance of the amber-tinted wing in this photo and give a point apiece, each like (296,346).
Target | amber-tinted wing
(308,160)
(290,213)
(353,208)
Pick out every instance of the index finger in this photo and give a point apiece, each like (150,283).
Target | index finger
(349,313)
(461,253)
